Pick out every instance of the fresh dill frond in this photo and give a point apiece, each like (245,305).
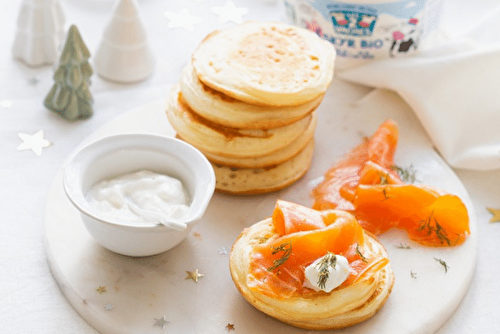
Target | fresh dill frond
(431,225)
(327,262)
(403,246)
(286,248)
(358,251)
(444,264)
(384,178)
(407,175)
(384,192)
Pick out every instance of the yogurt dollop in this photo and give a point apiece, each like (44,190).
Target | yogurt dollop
(326,273)
(140,197)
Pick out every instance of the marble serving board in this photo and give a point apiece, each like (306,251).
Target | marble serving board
(120,294)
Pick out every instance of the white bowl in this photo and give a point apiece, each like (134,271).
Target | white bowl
(120,154)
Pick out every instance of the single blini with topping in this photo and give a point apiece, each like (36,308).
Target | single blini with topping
(311,269)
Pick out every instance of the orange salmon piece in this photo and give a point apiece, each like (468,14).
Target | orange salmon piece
(444,223)
(379,208)
(429,216)
(373,173)
(338,187)
(277,266)
(366,184)
(289,217)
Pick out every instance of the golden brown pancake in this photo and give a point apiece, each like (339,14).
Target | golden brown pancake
(265,63)
(220,140)
(342,307)
(253,181)
(222,109)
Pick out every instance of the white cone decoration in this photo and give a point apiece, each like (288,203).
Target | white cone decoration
(123,54)
(40,31)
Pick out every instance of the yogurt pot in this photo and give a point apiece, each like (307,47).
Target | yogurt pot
(366,30)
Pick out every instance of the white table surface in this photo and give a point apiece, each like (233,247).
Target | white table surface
(30,299)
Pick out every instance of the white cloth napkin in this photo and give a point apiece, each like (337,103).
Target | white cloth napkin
(454,89)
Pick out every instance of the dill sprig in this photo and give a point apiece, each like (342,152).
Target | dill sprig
(431,225)
(413,274)
(329,260)
(444,264)
(403,246)
(286,248)
(384,178)
(407,175)
(384,192)
(358,251)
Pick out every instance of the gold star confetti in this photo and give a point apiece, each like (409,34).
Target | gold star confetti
(230,327)
(496,215)
(194,275)
(101,289)
(109,307)
(6,104)
(183,19)
(161,322)
(34,142)
(229,12)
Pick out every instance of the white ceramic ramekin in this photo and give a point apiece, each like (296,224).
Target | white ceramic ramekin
(120,154)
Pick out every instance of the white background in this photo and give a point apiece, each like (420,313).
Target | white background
(30,300)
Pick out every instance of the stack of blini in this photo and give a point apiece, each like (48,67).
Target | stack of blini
(247,100)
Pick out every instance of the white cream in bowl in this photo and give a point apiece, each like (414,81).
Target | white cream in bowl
(133,221)
(142,196)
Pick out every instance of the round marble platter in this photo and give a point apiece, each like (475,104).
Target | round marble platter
(120,294)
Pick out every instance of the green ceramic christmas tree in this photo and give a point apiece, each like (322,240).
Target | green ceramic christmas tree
(70,95)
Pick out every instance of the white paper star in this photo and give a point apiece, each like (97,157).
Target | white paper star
(162,322)
(33,81)
(182,19)
(109,307)
(6,104)
(223,251)
(229,12)
(34,142)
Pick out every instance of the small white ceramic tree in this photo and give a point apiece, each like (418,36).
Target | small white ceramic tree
(124,54)
(40,31)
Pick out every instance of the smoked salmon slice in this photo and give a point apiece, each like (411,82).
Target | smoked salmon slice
(366,183)
(277,265)
(337,189)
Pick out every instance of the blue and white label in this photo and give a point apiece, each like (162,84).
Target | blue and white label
(364,30)
(352,20)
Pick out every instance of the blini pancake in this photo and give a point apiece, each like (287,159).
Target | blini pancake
(340,308)
(265,63)
(271,159)
(220,108)
(219,140)
(253,181)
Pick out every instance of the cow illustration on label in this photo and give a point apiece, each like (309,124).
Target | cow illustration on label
(404,43)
